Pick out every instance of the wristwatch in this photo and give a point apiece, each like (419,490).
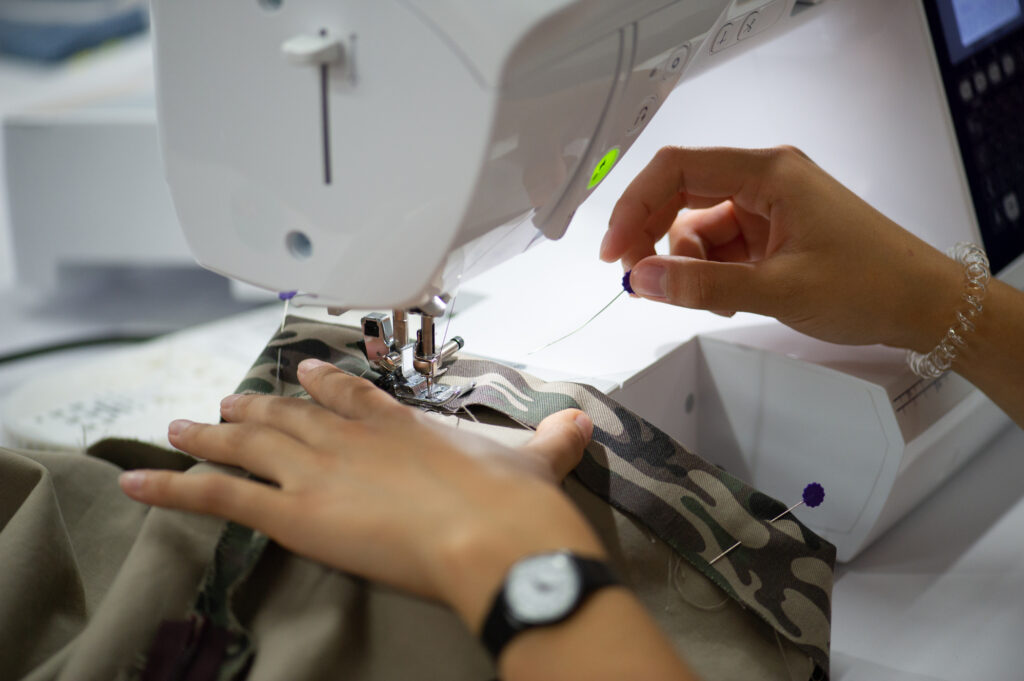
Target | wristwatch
(542,590)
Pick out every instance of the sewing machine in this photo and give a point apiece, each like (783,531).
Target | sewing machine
(326,163)
(274,188)
(485,141)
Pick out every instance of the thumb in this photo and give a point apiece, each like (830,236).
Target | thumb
(560,440)
(699,284)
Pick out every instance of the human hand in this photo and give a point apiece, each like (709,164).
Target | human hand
(372,487)
(770,232)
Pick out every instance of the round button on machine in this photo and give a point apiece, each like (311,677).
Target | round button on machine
(725,37)
(676,61)
(643,114)
(1009,65)
(751,24)
(966,91)
(980,82)
(603,167)
(994,74)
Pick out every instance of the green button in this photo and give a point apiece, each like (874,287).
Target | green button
(603,167)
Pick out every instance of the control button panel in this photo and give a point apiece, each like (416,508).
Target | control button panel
(746,25)
(985,93)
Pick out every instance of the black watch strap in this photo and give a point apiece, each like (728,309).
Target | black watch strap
(501,625)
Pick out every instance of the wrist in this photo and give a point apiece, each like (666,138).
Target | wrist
(962,325)
(474,559)
(932,309)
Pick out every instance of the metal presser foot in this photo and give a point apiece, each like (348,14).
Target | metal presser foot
(410,370)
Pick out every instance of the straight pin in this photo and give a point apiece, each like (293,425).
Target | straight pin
(626,288)
(813,495)
(285,296)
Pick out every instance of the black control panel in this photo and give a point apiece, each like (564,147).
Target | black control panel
(980,49)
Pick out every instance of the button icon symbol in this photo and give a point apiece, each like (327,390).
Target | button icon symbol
(749,24)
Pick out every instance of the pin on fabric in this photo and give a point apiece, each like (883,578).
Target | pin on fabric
(812,497)
(626,288)
(285,297)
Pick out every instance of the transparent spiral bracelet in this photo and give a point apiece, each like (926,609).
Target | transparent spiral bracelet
(976,278)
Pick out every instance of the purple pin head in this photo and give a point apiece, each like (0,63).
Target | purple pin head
(287,295)
(814,494)
(625,282)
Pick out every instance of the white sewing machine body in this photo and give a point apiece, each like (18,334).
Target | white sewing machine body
(375,154)
(548,96)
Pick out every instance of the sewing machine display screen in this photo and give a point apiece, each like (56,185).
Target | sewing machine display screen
(979,45)
(977,21)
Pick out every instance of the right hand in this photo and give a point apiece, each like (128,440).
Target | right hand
(770,232)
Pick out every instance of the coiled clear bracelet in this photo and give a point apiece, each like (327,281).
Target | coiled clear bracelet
(976,277)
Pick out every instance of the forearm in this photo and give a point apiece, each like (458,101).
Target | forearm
(993,359)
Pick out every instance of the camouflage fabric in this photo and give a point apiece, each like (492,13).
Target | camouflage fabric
(782,573)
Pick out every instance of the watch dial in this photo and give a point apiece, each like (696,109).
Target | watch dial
(542,588)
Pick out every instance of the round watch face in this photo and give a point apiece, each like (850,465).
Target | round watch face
(542,588)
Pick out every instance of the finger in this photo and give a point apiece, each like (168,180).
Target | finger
(724,232)
(733,251)
(244,501)
(751,178)
(302,421)
(267,452)
(703,284)
(560,440)
(658,225)
(344,394)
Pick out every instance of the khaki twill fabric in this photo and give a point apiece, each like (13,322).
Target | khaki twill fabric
(306,621)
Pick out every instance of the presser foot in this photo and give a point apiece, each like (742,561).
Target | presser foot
(411,370)
(420,392)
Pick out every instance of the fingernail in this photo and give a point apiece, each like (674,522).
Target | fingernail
(648,280)
(177,427)
(604,244)
(132,481)
(307,365)
(228,402)
(585,424)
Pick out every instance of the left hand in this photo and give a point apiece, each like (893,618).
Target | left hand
(372,487)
